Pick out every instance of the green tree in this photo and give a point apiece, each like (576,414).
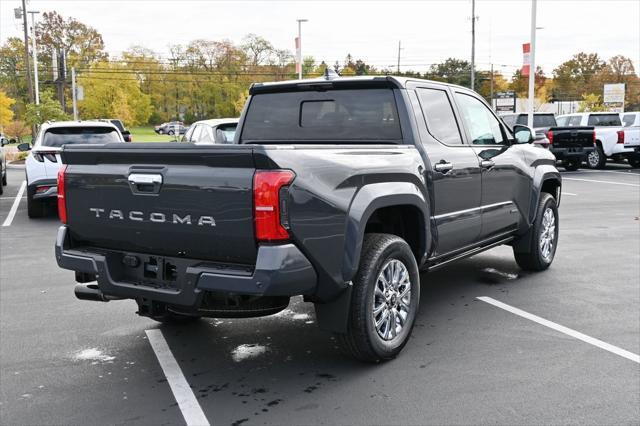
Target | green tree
(110,90)
(455,71)
(591,103)
(12,78)
(577,76)
(49,109)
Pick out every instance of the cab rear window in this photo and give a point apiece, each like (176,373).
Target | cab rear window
(604,120)
(351,116)
(56,137)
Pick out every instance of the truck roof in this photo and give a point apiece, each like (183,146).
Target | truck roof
(378,80)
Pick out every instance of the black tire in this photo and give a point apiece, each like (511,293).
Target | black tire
(35,208)
(571,165)
(362,340)
(634,162)
(170,132)
(596,158)
(160,132)
(4,178)
(532,258)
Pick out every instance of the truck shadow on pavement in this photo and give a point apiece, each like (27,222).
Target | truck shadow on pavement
(249,370)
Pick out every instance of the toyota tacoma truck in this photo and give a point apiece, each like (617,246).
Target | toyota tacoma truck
(339,190)
(570,145)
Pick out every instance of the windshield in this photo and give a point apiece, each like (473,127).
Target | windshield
(318,116)
(77,135)
(604,120)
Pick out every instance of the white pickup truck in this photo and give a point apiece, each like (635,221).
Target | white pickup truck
(609,136)
(631,129)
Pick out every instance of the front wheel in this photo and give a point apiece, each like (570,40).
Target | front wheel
(160,132)
(543,237)
(384,300)
(596,158)
(170,132)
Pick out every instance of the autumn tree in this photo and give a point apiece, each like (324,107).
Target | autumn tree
(6,113)
(12,68)
(83,44)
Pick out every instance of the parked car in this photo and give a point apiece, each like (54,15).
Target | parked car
(3,163)
(609,135)
(126,134)
(340,194)
(570,145)
(631,135)
(169,128)
(43,163)
(208,132)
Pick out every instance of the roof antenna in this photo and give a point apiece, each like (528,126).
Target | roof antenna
(330,74)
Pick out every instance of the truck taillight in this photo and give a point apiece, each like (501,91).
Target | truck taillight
(550,136)
(270,204)
(62,200)
(594,137)
(620,136)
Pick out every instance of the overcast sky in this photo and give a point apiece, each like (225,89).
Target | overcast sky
(430,30)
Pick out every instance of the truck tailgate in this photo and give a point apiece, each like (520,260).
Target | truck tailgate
(572,137)
(188,201)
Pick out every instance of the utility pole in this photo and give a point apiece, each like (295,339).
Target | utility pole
(299,46)
(26,50)
(399,49)
(532,65)
(74,95)
(473,44)
(492,86)
(35,56)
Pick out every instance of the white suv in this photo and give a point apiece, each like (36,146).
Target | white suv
(43,162)
(631,123)
(609,135)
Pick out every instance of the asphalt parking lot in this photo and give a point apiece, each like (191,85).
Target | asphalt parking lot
(66,361)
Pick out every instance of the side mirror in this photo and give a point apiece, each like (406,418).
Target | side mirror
(523,134)
(24,147)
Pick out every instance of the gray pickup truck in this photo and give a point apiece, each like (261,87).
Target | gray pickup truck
(338,189)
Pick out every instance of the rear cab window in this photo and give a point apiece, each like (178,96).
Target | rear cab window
(605,120)
(59,136)
(539,120)
(367,115)
(628,120)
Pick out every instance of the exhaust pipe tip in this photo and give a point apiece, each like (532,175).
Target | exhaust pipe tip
(90,292)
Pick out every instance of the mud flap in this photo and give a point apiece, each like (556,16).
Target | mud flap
(333,316)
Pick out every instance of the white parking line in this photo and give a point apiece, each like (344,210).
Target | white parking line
(602,181)
(562,329)
(14,206)
(568,193)
(191,410)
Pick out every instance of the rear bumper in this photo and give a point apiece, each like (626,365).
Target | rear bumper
(571,153)
(280,270)
(51,192)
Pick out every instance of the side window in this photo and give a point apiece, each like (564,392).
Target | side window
(484,128)
(439,115)
(574,121)
(562,121)
(628,119)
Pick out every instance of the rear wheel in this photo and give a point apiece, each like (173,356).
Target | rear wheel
(384,300)
(170,132)
(596,158)
(35,208)
(543,237)
(571,165)
(4,177)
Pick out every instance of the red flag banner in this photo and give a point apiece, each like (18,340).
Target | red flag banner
(526,61)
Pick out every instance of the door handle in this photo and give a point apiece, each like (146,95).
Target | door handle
(487,164)
(443,167)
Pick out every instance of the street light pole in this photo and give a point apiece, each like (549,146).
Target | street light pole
(26,51)
(300,21)
(35,56)
(532,65)
(473,44)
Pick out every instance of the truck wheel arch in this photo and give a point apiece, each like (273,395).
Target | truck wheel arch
(404,196)
(546,179)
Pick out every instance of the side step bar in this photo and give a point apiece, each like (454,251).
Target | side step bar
(469,253)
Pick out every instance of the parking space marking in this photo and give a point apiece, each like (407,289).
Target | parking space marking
(14,206)
(191,410)
(568,193)
(562,329)
(603,181)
